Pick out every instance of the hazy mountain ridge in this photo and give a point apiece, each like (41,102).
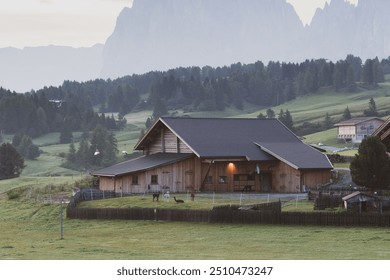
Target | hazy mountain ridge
(36,67)
(159,35)
(165,34)
(342,28)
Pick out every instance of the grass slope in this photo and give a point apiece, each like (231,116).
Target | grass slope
(313,108)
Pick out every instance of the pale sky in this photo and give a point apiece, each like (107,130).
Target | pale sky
(306,8)
(79,23)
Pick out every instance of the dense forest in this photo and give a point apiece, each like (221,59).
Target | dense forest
(77,106)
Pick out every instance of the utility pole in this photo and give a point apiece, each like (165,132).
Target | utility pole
(61,226)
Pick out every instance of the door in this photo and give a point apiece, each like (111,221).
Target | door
(166,181)
(266,182)
(189,181)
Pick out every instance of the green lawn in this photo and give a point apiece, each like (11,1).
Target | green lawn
(31,231)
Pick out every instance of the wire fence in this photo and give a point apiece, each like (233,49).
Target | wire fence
(264,213)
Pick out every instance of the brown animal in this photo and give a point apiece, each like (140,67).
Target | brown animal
(178,200)
(156,196)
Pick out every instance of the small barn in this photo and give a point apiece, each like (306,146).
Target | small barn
(362,202)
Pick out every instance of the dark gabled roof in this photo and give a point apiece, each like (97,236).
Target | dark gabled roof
(226,137)
(253,139)
(357,120)
(140,164)
(297,155)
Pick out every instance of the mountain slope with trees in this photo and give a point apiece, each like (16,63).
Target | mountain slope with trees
(78,106)
(97,108)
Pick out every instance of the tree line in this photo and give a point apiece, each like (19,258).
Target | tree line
(78,106)
(86,106)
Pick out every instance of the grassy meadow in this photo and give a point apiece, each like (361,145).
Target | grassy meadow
(30,227)
(32,231)
(313,108)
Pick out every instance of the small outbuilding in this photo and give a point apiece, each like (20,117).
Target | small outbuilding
(362,202)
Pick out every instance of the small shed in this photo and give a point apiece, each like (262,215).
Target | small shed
(362,202)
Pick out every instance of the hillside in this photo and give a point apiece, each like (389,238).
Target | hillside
(311,108)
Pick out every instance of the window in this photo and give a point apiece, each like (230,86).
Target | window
(209,180)
(154,179)
(134,180)
(223,179)
(244,177)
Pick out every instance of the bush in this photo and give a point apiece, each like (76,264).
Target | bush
(15,193)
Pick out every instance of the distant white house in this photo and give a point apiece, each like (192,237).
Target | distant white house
(356,129)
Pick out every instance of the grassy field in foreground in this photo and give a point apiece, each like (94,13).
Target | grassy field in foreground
(31,231)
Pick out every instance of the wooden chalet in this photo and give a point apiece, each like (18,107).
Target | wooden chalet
(222,155)
(383,133)
(356,129)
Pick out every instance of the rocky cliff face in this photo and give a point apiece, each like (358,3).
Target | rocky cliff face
(341,29)
(372,36)
(157,35)
(163,34)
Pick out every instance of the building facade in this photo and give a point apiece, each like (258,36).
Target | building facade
(356,129)
(221,155)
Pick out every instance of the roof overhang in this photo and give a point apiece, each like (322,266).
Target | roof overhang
(278,150)
(141,164)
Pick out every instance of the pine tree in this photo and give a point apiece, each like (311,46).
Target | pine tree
(370,167)
(83,154)
(270,113)
(71,157)
(371,111)
(11,162)
(66,135)
(350,82)
(286,119)
(347,114)
(110,151)
(328,123)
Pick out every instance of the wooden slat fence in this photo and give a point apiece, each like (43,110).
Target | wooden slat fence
(228,214)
